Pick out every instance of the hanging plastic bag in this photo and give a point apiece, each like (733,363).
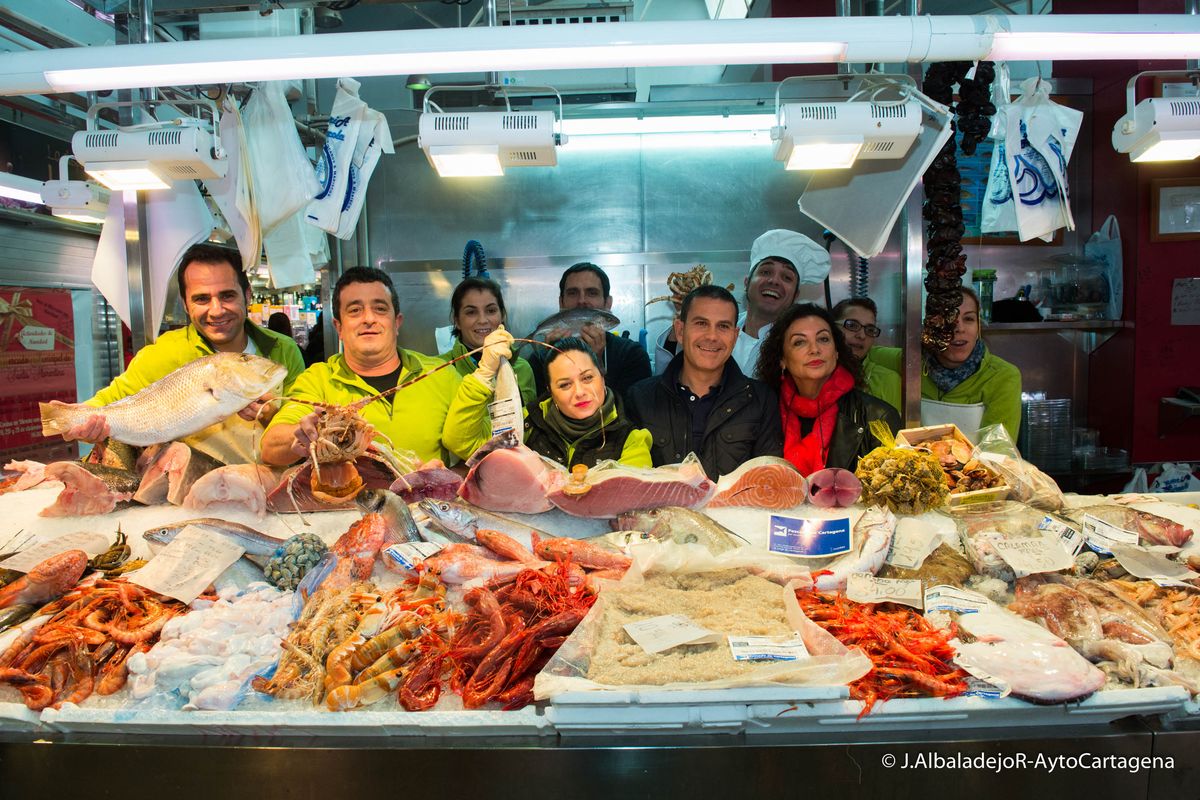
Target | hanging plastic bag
(288,256)
(233,194)
(1138,484)
(333,167)
(1176,478)
(1105,245)
(1027,483)
(374,140)
(999,213)
(1040,139)
(282,175)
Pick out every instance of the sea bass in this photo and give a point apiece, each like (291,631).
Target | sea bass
(258,546)
(399,525)
(680,525)
(191,398)
(574,320)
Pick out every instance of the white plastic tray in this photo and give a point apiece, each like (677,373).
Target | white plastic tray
(16,717)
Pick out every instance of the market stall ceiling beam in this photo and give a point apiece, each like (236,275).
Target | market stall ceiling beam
(623,44)
(55,23)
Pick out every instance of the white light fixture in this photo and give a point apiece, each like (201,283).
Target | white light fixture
(483,143)
(17,187)
(151,156)
(833,135)
(668,132)
(1158,128)
(82,201)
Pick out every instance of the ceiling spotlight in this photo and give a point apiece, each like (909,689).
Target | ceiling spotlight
(151,156)
(82,201)
(417,82)
(833,135)
(1159,128)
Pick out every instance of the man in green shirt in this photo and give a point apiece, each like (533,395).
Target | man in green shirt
(367,319)
(216,294)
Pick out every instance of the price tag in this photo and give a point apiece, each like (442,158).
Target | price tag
(407,555)
(1033,555)
(982,683)
(35,337)
(658,634)
(809,538)
(911,546)
(950,598)
(862,587)
(1153,566)
(88,542)
(186,566)
(978,687)
(767,648)
(1101,535)
(1071,538)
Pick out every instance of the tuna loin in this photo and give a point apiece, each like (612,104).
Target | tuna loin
(613,490)
(171,475)
(507,476)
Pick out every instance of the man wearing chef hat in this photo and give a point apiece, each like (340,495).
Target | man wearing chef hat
(780,261)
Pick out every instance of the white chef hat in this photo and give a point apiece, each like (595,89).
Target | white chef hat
(810,260)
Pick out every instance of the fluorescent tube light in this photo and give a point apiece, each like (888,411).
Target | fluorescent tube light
(1111,46)
(18,187)
(700,123)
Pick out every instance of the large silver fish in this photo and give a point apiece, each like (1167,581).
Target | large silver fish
(198,394)
(575,320)
(259,546)
(458,521)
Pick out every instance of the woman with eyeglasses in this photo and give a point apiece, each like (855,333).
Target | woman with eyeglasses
(857,316)
(966,374)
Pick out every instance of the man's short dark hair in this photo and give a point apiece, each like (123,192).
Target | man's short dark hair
(585,266)
(842,307)
(206,253)
(710,291)
(363,275)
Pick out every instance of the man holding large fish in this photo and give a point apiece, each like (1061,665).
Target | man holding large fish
(585,288)
(367,318)
(215,293)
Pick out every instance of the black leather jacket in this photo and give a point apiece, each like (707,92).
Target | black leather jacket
(852,438)
(744,422)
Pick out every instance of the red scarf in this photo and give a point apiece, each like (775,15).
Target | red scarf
(808,453)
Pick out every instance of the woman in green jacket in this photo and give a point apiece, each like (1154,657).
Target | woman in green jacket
(582,422)
(477,309)
(967,372)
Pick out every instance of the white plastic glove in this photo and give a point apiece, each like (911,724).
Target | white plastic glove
(496,346)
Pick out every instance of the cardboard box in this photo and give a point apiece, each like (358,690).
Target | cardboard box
(911,437)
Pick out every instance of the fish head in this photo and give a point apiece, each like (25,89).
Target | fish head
(450,516)
(248,376)
(642,520)
(371,501)
(162,535)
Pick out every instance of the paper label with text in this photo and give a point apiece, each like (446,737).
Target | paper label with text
(767,648)
(658,634)
(407,555)
(34,337)
(185,567)
(862,587)
(1152,566)
(1032,555)
(87,541)
(911,546)
(1101,535)
(809,538)
(1072,539)
(951,598)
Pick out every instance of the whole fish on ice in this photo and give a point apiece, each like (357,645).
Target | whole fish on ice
(258,546)
(682,526)
(198,394)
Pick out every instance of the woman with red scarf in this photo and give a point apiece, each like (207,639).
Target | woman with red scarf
(826,417)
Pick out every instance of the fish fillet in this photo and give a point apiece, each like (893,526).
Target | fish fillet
(243,485)
(198,394)
(763,482)
(84,493)
(171,475)
(508,478)
(617,489)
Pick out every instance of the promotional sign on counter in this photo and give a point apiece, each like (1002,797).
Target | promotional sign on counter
(37,363)
(809,538)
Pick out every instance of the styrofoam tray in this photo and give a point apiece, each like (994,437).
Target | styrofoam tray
(16,717)
(964,712)
(715,710)
(524,722)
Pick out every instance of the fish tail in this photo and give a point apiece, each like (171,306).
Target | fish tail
(55,420)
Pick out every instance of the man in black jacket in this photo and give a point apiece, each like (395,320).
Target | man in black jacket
(703,403)
(625,362)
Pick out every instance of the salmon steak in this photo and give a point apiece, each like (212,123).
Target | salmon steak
(763,482)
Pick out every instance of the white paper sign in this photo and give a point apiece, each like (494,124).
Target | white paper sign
(767,648)
(90,543)
(1033,555)
(1072,539)
(911,546)
(1152,566)
(1101,535)
(658,634)
(34,337)
(950,598)
(862,587)
(186,566)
